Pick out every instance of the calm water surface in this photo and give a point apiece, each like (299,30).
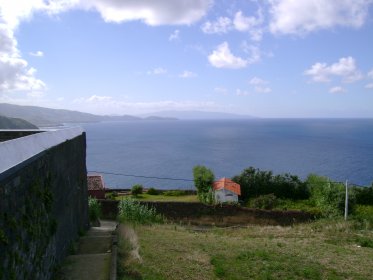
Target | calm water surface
(339,149)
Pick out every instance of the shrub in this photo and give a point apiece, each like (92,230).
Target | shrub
(255,182)
(329,197)
(137,189)
(207,197)
(112,195)
(365,242)
(94,209)
(175,193)
(363,215)
(152,191)
(268,202)
(134,212)
(364,195)
(203,180)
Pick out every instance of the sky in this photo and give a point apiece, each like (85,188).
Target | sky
(270,58)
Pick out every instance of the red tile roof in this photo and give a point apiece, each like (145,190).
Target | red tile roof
(95,182)
(228,184)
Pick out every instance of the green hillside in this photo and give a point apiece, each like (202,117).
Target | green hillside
(15,123)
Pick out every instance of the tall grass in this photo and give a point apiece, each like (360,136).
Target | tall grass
(132,211)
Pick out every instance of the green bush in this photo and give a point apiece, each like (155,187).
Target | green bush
(132,211)
(268,202)
(175,193)
(137,189)
(363,216)
(255,182)
(329,197)
(365,242)
(364,196)
(152,191)
(112,195)
(94,209)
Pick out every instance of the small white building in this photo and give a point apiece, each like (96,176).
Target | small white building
(225,190)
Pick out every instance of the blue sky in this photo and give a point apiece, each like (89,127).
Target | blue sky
(274,58)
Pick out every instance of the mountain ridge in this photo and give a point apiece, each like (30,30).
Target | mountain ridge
(198,115)
(42,116)
(15,123)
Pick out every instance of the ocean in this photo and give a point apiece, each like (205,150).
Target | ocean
(341,149)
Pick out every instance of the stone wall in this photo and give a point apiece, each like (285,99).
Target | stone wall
(219,215)
(43,208)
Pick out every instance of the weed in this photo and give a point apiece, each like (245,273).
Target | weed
(94,209)
(365,242)
(132,211)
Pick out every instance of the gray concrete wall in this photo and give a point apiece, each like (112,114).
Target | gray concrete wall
(43,204)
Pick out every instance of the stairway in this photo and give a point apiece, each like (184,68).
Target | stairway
(95,257)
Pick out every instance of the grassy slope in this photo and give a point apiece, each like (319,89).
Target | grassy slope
(320,250)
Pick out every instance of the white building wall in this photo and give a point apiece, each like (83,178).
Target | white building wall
(222,196)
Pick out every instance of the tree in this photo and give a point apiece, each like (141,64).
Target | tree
(203,180)
(137,189)
(255,182)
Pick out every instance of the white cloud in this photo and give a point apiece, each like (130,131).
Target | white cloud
(263,89)
(303,16)
(370,74)
(253,51)
(260,85)
(157,71)
(369,86)
(98,98)
(221,90)
(108,105)
(241,23)
(154,13)
(249,24)
(35,94)
(257,81)
(15,74)
(240,92)
(345,68)
(221,25)
(337,90)
(187,74)
(222,57)
(174,35)
(37,54)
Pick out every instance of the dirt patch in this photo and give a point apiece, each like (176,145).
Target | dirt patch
(218,215)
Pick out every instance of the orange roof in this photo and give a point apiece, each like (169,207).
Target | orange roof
(228,184)
(95,182)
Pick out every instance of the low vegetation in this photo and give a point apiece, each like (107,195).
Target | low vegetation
(94,209)
(137,189)
(325,249)
(131,211)
(329,248)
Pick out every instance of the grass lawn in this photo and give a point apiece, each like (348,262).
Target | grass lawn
(161,197)
(320,250)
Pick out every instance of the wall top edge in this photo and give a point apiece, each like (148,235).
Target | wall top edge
(16,151)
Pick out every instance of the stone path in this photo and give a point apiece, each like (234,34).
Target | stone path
(93,259)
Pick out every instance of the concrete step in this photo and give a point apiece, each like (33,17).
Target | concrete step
(87,267)
(94,245)
(93,259)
